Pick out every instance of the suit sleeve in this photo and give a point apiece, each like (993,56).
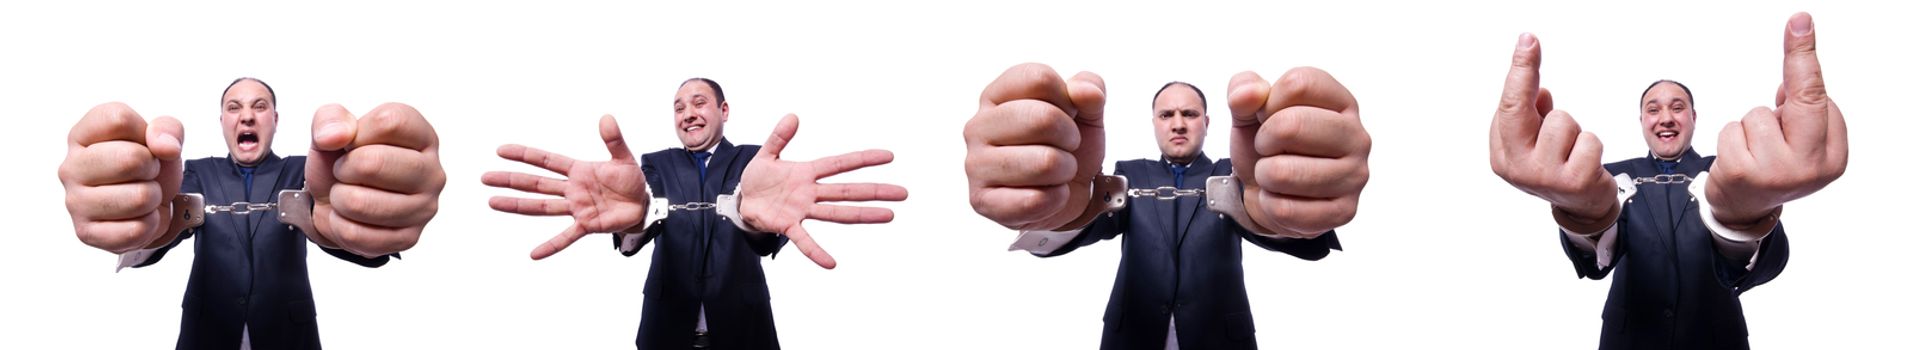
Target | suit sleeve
(1586,262)
(1307,249)
(627,243)
(1770,260)
(341,254)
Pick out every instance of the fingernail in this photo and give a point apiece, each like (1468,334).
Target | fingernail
(1527,40)
(1801,24)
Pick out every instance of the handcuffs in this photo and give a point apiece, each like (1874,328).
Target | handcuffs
(1110,193)
(294,208)
(725,206)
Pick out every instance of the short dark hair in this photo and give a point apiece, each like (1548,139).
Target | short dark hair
(268,90)
(1197,92)
(1688,92)
(706,81)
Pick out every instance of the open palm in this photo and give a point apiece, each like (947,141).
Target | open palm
(602,197)
(777,195)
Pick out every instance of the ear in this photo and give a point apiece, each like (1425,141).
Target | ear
(723,112)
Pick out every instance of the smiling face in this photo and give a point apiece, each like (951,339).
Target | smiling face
(1181,122)
(700,116)
(249,118)
(1666,116)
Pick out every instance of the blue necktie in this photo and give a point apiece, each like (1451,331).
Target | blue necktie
(1665,166)
(246,172)
(699,158)
(1178,171)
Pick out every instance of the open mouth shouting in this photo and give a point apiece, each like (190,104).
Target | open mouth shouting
(248,141)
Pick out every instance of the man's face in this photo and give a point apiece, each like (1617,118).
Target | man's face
(249,120)
(1666,117)
(1181,123)
(700,117)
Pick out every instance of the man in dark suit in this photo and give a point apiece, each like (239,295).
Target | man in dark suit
(249,287)
(1679,258)
(1180,283)
(706,287)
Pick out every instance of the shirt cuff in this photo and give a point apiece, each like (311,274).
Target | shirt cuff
(628,242)
(1601,243)
(1043,242)
(1724,237)
(134,258)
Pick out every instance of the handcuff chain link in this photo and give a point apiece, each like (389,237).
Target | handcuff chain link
(694,206)
(1663,179)
(1165,192)
(241,208)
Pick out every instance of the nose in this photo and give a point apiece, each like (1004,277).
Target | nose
(248,117)
(1178,125)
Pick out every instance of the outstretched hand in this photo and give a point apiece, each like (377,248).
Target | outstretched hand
(778,195)
(602,197)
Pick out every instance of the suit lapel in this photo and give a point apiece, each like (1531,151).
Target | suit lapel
(1690,164)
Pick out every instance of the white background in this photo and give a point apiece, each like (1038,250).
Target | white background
(1442,254)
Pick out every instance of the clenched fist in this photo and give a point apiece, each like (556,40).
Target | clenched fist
(1035,146)
(374,179)
(120,175)
(1775,155)
(1299,150)
(1543,152)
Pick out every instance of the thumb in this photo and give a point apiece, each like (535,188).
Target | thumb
(1247,96)
(779,137)
(164,135)
(333,128)
(1088,93)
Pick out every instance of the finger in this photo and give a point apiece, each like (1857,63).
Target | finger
(1247,94)
(1586,152)
(119,236)
(779,137)
(1312,131)
(527,206)
(366,240)
(333,128)
(1556,138)
(110,162)
(543,159)
(124,201)
(1764,135)
(524,182)
(1515,125)
(614,139)
(1029,81)
(1019,207)
(398,125)
(386,167)
(1805,82)
(1312,87)
(809,248)
(1088,93)
(1311,177)
(1025,122)
(1020,166)
(837,164)
(111,121)
(859,192)
(557,243)
(1733,150)
(851,215)
(1308,215)
(165,138)
(1544,102)
(371,206)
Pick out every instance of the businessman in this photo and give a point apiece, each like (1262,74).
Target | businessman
(373,180)
(1035,152)
(1682,235)
(705,289)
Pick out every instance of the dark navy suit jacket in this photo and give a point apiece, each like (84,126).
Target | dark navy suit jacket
(703,260)
(1179,259)
(1671,288)
(248,271)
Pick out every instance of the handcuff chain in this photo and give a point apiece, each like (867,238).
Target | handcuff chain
(694,206)
(1165,192)
(1663,179)
(241,208)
